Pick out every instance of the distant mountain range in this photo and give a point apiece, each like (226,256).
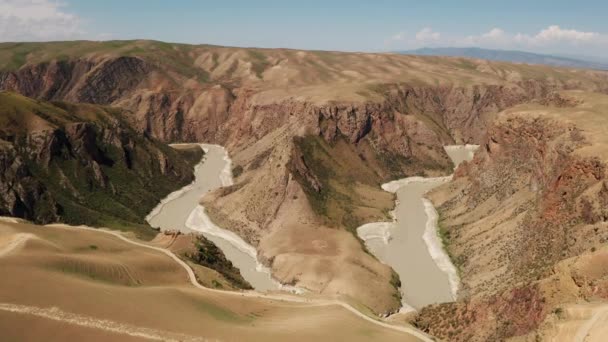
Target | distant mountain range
(512,56)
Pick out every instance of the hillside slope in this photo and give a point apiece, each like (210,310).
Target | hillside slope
(62,283)
(312,133)
(81,164)
(534,201)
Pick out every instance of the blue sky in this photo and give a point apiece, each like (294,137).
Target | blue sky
(565,27)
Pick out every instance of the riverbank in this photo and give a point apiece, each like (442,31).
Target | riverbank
(181,211)
(410,244)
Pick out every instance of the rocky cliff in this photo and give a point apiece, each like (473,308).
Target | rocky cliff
(81,164)
(533,196)
(312,134)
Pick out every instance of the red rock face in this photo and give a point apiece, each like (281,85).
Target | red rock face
(541,152)
(558,194)
(172,108)
(512,313)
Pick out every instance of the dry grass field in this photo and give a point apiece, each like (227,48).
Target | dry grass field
(63,283)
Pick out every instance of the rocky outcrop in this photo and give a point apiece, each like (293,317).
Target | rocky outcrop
(81,80)
(529,199)
(550,180)
(21,194)
(83,171)
(168,102)
(526,312)
(367,118)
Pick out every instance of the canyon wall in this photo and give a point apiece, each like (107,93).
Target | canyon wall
(81,164)
(533,197)
(312,134)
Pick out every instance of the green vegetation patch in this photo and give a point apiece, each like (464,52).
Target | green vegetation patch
(445,235)
(209,255)
(259,62)
(192,155)
(335,176)
(394,163)
(105,175)
(237,171)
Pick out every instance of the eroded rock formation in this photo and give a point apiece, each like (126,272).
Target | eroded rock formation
(312,133)
(533,200)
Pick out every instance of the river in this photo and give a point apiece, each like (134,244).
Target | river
(410,244)
(181,211)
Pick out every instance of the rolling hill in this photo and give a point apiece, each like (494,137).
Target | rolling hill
(63,283)
(511,56)
(313,134)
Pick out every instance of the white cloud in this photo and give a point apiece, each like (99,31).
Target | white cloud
(427,35)
(494,33)
(36,20)
(424,37)
(550,36)
(552,39)
(398,37)
(494,37)
(555,34)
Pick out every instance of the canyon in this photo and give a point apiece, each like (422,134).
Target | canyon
(411,244)
(181,211)
(542,228)
(313,135)
(81,164)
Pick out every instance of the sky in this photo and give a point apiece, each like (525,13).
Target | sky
(557,27)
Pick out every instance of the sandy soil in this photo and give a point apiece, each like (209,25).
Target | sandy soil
(117,285)
(45,329)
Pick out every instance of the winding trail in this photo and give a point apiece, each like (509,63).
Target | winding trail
(59,315)
(17,241)
(584,331)
(287,298)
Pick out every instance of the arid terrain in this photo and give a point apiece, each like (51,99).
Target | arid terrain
(71,283)
(313,134)
(543,227)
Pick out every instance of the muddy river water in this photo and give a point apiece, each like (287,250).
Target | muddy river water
(181,211)
(410,244)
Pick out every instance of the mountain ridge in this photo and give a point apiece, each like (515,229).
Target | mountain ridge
(309,132)
(514,56)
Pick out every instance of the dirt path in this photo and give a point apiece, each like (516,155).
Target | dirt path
(585,329)
(279,297)
(56,314)
(17,241)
